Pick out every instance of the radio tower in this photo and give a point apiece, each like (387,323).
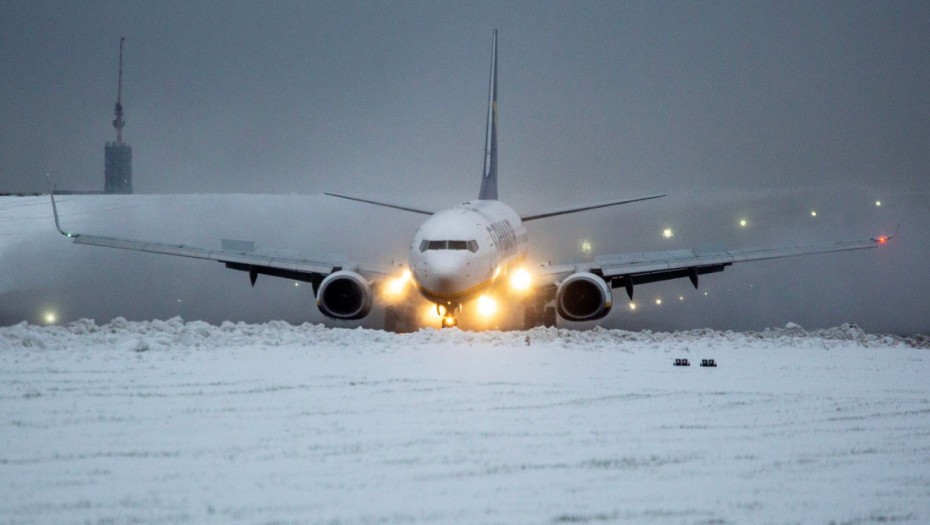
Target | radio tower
(117,155)
(119,122)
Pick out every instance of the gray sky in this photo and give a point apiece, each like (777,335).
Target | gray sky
(729,107)
(303,97)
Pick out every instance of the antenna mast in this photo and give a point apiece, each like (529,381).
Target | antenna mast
(118,123)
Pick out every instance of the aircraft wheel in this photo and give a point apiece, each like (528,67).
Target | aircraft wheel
(530,318)
(548,317)
(391,319)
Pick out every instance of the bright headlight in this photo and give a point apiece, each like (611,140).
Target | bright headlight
(520,280)
(398,285)
(486,306)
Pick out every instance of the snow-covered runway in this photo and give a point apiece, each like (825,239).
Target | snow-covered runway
(179,422)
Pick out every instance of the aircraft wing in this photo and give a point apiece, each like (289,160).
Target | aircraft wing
(241,255)
(628,270)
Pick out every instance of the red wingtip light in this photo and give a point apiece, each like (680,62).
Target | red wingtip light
(882,239)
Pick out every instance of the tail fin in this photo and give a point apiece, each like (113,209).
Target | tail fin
(489,180)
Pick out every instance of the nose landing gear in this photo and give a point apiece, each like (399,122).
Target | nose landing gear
(447,311)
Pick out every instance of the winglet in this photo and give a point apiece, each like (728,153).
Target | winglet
(489,178)
(51,194)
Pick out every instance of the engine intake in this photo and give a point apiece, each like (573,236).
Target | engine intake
(583,296)
(344,295)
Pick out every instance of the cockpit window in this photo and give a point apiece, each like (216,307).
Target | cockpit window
(471,246)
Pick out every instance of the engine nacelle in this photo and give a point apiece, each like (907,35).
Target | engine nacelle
(344,295)
(583,296)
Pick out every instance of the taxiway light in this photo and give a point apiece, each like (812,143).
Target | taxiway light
(486,306)
(668,233)
(878,203)
(743,223)
(520,280)
(50,318)
(632,306)
(658,302)
(813,213)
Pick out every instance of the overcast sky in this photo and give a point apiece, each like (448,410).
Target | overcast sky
(281,97)
(729,107)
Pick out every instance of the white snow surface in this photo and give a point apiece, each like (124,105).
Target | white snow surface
(186,422)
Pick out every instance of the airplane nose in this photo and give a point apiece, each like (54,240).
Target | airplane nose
(444,276)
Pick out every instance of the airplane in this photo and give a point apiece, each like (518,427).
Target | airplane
(471,253)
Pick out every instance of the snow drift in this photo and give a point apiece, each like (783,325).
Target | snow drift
(187,422)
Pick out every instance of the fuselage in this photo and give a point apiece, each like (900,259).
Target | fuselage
(458,254)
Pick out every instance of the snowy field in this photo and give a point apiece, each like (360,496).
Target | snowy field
(177,422)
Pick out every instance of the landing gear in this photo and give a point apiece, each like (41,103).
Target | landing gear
(399,319)
(448,315)
(541,315)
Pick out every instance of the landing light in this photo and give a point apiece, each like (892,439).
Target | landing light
(486,306)
(441,310)
(520,280)
(397,285)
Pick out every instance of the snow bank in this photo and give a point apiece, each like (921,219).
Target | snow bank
(177,333)
(187,422)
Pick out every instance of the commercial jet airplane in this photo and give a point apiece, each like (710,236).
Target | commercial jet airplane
(471,254)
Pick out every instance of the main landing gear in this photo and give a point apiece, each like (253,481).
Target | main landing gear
(400,319)
(538,315)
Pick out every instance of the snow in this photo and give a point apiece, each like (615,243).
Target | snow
(187,422)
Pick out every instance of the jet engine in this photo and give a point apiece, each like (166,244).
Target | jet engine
(344,295)
(583,296)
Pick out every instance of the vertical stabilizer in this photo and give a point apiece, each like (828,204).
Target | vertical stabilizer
(489,179)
